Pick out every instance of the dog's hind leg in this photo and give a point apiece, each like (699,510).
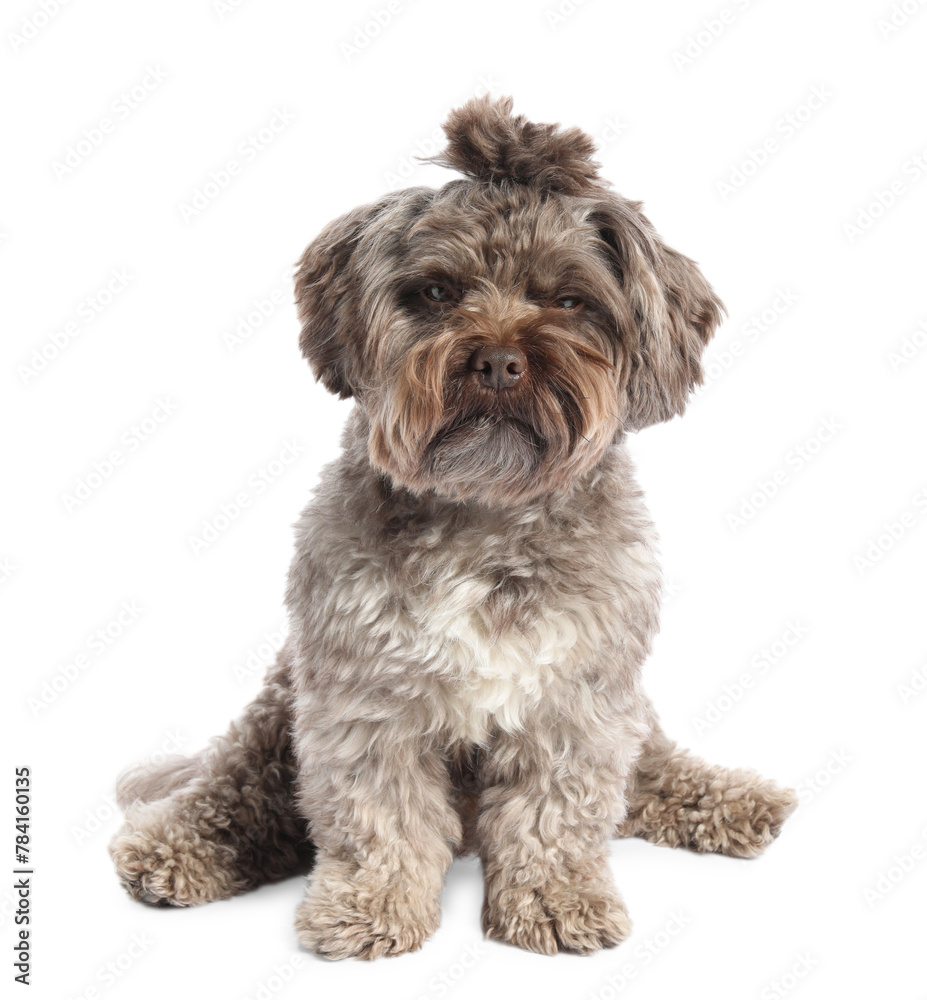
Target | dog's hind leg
(212,826)
(679,800)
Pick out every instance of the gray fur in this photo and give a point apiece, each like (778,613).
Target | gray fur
(475,585)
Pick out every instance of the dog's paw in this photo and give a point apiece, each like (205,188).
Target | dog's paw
(558,916)
(739,820)
(711,809)
(751,823)
(345,915)
(173,870)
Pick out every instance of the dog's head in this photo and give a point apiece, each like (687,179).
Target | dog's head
(500,331)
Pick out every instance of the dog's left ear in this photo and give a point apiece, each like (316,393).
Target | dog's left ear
(673,313)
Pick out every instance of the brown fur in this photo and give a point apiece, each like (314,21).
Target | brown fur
(475,586)
(486,142)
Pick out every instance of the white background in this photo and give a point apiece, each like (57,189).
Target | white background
(839,715)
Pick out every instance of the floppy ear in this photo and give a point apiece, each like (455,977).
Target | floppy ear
(673,312)
(332,299)
(328,298)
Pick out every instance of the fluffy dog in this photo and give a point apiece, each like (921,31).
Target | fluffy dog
(475,585)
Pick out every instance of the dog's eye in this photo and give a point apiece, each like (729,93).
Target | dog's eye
(439,294)
(568,302)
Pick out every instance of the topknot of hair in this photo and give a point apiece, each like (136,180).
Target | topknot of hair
(487,142)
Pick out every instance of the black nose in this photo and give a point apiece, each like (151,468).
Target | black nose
(499,367)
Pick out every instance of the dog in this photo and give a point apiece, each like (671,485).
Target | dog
(475,587)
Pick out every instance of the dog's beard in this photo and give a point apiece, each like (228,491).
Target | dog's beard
(436,429)
(481,451)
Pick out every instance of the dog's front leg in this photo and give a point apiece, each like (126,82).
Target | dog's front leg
(377,795)
(550,792)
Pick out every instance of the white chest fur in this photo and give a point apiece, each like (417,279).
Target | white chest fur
(490,676)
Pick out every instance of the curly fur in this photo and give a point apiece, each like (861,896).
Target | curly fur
(486,142)
(475,586)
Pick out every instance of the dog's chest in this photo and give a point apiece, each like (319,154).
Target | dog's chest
(477,616)
(492,642)
(495,678)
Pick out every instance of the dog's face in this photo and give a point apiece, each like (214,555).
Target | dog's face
(499,332)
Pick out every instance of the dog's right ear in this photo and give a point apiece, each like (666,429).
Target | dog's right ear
(328,301)
(331,294)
